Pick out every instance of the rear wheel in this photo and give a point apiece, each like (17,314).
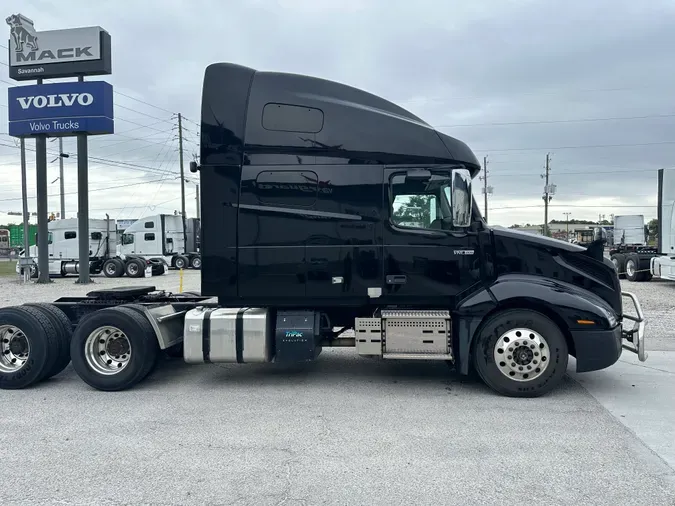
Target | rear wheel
(180,262)
(64,330)
(135,268)
(633,272)
(112,268)
(114,349)
(196,262)
(619,261)
(28,346)
(520,353)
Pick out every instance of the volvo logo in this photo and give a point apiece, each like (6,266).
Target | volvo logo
(61,100)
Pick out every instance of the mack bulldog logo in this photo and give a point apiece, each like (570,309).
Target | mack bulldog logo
(22,33)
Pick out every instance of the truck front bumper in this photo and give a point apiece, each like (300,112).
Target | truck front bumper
(634,339)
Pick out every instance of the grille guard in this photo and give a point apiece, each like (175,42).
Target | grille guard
(634,339)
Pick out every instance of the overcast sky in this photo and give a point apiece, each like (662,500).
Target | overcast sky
(592,84)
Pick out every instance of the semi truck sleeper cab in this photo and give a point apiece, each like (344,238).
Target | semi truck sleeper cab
(327,209)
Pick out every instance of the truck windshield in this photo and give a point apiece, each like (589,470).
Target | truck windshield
(127,239)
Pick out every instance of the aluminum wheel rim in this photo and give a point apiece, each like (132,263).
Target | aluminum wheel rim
(180,264)
(197,263)
(132,268)
(522,354)
(110,268)
(107,350)
(14,348)
(630,268)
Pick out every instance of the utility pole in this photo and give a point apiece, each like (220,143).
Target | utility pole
(197,201)
(549,190)
(182,177)
(567,224)
(486,189)
(61,183)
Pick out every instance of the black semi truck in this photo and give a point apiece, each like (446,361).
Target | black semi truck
(325,209)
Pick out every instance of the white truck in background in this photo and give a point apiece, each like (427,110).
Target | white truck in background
(633,258)
(63,247)
(161,236)
(662,265)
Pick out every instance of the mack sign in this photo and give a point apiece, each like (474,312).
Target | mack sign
(61,109)
(56,53)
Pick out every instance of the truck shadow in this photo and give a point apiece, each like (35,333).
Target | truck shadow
(333,367)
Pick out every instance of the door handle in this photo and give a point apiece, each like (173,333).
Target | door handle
(396,279)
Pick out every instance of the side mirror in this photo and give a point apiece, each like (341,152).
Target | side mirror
(194,167)
(600,234)
(417,175)
(462,199)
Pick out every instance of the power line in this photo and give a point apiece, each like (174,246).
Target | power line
(91,190)
(578,147)
(143,102)
(554,121)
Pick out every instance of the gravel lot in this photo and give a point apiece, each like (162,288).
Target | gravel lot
(658,303)
(342,430)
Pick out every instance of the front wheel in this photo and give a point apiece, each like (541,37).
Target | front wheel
(520,353)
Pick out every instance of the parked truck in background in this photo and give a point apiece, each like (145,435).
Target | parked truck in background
(630,253)
(161,236)
(662,265)
(301,242)
(63,247)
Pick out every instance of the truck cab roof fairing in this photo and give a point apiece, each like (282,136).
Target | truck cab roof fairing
(251,116)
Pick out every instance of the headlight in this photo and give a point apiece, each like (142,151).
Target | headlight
(611,317)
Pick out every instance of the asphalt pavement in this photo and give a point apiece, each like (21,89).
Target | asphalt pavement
(343,430)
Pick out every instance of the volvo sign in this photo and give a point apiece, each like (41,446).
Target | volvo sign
(61,109)
(56,53)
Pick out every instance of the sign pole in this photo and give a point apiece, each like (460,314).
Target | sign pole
(83,205)
(61,183)
(42,206)
(24,195)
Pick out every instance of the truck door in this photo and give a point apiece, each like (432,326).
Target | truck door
(425,258)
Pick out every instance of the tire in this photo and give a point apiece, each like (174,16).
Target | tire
(619,261)
(34,271)
(42,338)
(141,357)
(196,262)
(510,381)
(181,262)
(140,310)
(112,268)
(135,268)
(65,333)
(120,262)
(633,272)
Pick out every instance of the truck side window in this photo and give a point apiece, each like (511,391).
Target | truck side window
(149,237)
(287,188)
(149,224)
(127,239)
(419,204)
(96,236)
(50,238)
(69,235)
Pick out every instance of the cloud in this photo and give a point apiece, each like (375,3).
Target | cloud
(464,66)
